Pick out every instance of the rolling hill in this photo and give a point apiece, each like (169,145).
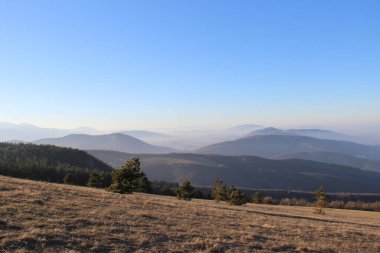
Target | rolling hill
(115,142)
(274,145)
(250,172)
(46,217)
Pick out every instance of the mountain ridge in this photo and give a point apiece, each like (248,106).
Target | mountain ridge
(115,142)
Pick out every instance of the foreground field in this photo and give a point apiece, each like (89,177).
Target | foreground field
(46,217)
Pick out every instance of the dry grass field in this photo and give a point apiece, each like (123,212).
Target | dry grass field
(43,217)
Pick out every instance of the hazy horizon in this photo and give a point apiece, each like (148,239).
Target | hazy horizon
(163,65)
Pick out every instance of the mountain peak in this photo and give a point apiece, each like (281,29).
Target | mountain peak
(269,131)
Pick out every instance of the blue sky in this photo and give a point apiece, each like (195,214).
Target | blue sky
(161,64)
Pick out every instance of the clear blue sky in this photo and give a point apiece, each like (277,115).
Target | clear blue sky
(156,64)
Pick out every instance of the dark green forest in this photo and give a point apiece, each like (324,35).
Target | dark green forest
(50,163)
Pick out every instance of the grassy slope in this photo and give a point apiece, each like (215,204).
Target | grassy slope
(35,215)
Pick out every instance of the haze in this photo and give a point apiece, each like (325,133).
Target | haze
(209,64)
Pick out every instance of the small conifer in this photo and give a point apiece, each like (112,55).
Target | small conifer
(185,190)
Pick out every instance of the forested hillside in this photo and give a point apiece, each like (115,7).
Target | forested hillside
(250,171)
(50,163)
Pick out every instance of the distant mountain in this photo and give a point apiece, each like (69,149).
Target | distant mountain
(269,131)
(315,133)
(27,132)
(116,142)
(250,172)
(274,145)
(141,134)
(325,134)
(335,158)
(244,129)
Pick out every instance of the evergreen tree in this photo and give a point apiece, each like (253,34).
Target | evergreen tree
(236,197)
(321,199)
(68,179)
(129,178)
(257,198)
(218,191)
(185,191)
(143,184)
(95,180)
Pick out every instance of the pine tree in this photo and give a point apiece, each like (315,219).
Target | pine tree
(321,200)
(185,191)
(257,198)
(236,197)
(129,178)
(143,184)
(218,192)
(95,180)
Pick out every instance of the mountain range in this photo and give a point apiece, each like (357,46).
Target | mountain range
(315,133)
(253,140)
(249,171)
(26,132)
(274,145)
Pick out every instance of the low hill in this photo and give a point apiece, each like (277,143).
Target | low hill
(250,172)
(49,163)
(116,142)
(44,217)
(333,157)
(275,145)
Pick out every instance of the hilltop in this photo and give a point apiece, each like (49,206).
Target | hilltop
(39,216)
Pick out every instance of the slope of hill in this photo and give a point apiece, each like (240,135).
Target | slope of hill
(333,157)
(250,172)
(49,163)
(274,145)
(116,142)
(62,218)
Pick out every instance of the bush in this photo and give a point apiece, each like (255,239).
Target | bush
(68,179)
(321,200)
(257,198)
(95,180)
(185,191)
(236,197)
(218,191)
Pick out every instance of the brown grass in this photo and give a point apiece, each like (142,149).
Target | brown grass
(43,217)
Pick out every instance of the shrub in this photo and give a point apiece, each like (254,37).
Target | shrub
(218,192)
(257,198)
(95,180)
(236,197)
(185,191)
(321,200)
(68,179)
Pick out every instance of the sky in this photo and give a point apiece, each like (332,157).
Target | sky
(200,63)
